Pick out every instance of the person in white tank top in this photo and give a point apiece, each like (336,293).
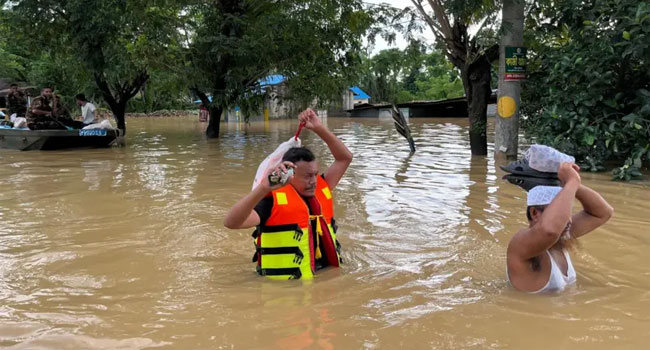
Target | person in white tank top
(538,258)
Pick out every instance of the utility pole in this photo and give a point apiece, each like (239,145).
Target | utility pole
(512,69)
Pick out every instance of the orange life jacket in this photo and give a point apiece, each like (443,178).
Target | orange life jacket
(285,245)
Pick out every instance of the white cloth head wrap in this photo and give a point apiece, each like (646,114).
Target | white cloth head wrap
(542,195)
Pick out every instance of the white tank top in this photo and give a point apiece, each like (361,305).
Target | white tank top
(557,281)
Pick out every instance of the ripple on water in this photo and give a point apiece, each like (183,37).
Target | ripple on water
(125,249)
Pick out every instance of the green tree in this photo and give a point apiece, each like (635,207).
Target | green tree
(234,43)
(12,65)
(590,64)
(382,75)
(472,55)
(395,75)
(116,42)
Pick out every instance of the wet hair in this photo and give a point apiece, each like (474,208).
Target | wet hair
(80,97)
(296,154)
(538,207)
(12,85)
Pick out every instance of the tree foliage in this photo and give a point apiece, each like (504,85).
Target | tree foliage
(398,76)
(114,43)
(588,92)
(234,43)
(472,54)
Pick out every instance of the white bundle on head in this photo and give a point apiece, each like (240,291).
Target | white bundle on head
(546,159)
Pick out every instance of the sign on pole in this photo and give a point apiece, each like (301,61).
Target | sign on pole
(515,64)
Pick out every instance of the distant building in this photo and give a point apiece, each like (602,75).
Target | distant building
(278,104)
(359,95)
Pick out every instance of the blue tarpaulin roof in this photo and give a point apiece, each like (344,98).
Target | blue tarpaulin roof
(273,79)
(358,93)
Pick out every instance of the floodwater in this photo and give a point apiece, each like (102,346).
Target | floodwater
(125,248)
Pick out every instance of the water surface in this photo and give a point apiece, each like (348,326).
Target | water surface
(125,248)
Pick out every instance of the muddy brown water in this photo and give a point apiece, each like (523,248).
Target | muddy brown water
(125,248)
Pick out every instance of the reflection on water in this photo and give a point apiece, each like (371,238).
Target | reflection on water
(125,249)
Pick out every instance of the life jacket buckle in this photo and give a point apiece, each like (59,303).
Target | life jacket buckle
(297,259)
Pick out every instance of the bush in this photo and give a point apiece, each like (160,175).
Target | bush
(588,92)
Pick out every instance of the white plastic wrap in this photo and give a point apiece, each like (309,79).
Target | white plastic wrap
(546,159)
(20,123)
(274,159)
(104,124)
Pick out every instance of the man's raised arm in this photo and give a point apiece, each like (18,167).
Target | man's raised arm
(342,155)
(596,211)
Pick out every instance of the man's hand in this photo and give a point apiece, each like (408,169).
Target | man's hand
(280,168)
(311,120)
(569,172)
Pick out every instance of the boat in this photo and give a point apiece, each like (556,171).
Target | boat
(29,140)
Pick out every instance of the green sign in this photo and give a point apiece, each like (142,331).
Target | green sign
(515,63)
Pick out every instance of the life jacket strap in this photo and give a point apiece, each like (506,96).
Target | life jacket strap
(283,250)
(279,228)
(294,272)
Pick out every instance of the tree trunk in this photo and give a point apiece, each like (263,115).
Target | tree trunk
(214,121)
(476,79)
(143,91)
(123,93)
(506,137)
(119,113)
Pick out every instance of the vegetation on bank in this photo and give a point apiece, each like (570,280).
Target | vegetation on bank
(589,88)
(588,92)
(415,73)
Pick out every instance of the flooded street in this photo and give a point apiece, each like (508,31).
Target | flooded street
(124,248)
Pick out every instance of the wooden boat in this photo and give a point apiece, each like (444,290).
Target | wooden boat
(28,140)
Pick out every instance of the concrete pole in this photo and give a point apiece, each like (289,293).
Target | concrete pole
(507,118)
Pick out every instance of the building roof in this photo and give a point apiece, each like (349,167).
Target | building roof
(358,93)
(273,79)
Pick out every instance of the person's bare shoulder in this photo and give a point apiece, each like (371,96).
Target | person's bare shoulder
(515,246)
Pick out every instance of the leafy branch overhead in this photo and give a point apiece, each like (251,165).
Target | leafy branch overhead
(316,45)
(472,55)
(593,62)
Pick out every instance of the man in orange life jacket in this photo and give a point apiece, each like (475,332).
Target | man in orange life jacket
(296,232)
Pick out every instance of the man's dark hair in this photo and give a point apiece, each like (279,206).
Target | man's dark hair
(80,97)
(12,85)
(47,86)
(538,207)
(296,154)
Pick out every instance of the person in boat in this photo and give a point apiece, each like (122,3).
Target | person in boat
(62,114)
(16,102)
(88,110)
(295,230)
(40,115)
(538,259)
